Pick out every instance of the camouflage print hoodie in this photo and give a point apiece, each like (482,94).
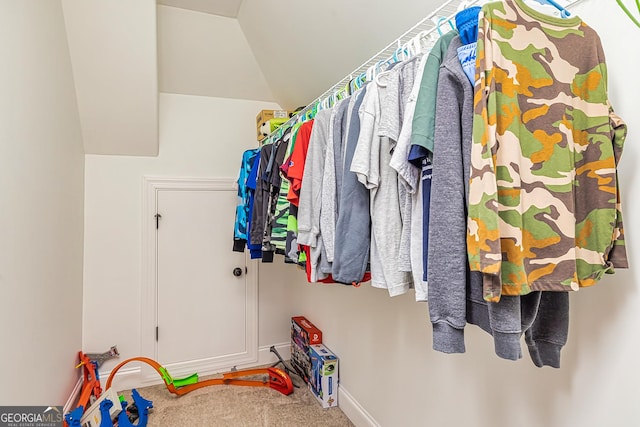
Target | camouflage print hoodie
(544,203)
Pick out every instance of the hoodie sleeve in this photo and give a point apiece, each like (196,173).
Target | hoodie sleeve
(548,334)
(483,239)
(447,231)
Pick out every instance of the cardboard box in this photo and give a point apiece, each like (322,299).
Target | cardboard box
(324,378)
(265,115)
(303,335)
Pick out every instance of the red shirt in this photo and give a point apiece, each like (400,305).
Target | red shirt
(329,279)
(296,163)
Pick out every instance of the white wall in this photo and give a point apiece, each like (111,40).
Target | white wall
(199,137)
(41,207)
(387,363)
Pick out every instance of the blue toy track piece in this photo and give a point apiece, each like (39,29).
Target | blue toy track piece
(143,406)
(73,417)
(105,415)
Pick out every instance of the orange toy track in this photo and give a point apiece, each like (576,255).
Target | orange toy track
(91,383)
(278,379)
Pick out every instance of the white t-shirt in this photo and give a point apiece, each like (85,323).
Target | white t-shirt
(409,178)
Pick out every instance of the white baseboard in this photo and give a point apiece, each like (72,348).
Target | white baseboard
(125,378)
(265,356)
(73,397)
(354,411)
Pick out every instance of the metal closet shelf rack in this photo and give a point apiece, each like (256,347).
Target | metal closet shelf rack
(426,29)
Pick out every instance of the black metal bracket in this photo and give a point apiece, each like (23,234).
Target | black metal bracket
(286,367)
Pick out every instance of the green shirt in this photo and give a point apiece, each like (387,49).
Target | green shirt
(424,119)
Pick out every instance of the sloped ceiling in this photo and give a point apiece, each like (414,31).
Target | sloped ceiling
(287,51)
(301,47)
(207,55)
(305,47)
(227,8)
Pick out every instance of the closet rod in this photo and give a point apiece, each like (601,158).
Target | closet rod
(427,26)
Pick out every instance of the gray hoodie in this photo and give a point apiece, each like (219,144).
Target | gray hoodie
(455,293)
(352,253)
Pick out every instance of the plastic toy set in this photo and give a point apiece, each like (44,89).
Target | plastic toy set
(313,362)
(96,408)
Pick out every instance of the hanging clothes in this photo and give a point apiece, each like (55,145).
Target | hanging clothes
(455,292)
(353,224)
(310,194)
(448,277)
(294,172)
(242,210)
(544,210)
(371,165)
(467,25)
(409,177)
(328,192)
(255,249)
(266,193)
(491,189)
(423,128)
(290,216)
(279,203)
(399,85)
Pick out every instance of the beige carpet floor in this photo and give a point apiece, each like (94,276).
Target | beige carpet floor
(234,406)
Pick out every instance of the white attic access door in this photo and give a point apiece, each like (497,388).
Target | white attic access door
(196,315)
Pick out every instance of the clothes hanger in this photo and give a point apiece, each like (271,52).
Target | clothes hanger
(439,24)
(360,80)
(416,42)
(370,73)
(310,114)
(400,54)
(386,71)
(353,85)
(564,13)
(374,70)
(324,104)
(410,49)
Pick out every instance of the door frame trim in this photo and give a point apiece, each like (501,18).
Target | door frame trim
(148,292)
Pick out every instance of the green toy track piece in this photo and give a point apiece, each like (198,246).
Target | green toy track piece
(181,382)
(178,382)
(165,375)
